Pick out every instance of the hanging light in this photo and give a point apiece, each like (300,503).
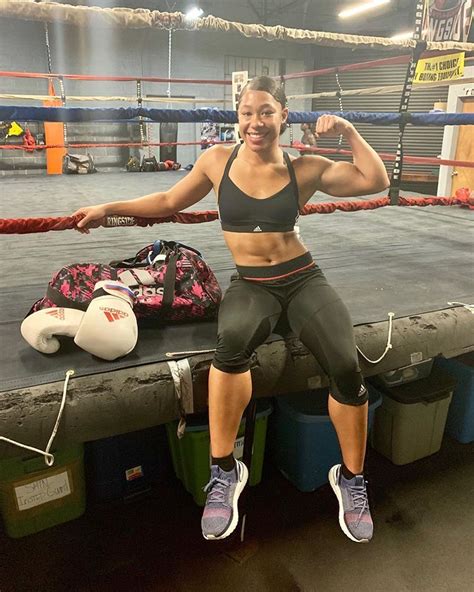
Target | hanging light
(402,36)
(193,13)
(362,8)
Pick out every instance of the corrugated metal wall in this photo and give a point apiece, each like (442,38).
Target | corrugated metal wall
(418,141)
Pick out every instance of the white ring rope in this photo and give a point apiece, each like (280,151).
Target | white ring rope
(141,18)
(370,90)
(387,347)
(48,457)
(469,307)
(209,101)
(377,90)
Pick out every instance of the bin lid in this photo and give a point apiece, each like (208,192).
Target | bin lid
(466,359)
(435,387)
(309,406)
(198,422)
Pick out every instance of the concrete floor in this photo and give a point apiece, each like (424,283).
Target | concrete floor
(423,539)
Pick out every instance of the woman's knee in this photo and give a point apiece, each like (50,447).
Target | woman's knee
(232,354)
(237,340)
(348,387)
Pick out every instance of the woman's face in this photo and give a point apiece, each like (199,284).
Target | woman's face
(260,118)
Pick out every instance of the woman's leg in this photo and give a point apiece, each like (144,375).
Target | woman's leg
(350,423)
(229,395)
(322,322)
(324,325)
(247,316)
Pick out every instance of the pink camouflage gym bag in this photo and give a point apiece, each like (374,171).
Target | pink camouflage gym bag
(170,280)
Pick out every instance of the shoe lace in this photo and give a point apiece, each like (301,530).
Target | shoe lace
(359,499)
(218,489)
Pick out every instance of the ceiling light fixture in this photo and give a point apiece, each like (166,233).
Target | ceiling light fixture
(193,13)
(359,8)
(402,36)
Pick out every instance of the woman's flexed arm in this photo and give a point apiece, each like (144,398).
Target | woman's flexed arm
(188,191)
(365,175)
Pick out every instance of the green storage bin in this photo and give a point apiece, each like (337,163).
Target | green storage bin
(34,496)
(191,453)
(410,423)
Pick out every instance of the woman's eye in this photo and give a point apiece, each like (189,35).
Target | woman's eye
(267,113)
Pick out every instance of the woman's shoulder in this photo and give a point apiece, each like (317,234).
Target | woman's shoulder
(212,162)
(215,156)
(217,153)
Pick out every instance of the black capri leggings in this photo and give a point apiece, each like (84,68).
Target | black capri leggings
(254,303)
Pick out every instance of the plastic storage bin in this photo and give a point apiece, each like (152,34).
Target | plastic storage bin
(191,454)
(460,421)
(127,465)
(304,442)
(34,496)
(409,424)
(407,374)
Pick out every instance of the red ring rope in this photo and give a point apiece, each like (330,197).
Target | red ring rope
(110,145)
(402,59)
(383,155)
(9,74)
(296,145)
(31,225)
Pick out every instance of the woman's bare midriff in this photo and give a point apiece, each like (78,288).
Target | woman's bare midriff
(260,250)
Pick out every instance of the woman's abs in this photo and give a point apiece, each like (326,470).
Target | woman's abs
(262,249)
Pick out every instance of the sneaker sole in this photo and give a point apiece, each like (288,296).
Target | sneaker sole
(235,511)
(335,487)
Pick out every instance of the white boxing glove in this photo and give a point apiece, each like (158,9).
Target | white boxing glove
(39,329)
(109,327)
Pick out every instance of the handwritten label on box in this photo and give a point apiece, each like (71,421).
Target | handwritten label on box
(42,491)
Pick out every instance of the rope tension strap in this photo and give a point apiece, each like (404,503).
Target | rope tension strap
(395,179)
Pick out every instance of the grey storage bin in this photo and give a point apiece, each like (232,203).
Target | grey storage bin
(409,424)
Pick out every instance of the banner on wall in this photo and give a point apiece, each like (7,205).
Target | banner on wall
(440,68)
(168,134)
(447,20)
(239,80)
(209,134)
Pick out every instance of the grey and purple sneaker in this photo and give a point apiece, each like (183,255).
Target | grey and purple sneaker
(221,515)
(354,513)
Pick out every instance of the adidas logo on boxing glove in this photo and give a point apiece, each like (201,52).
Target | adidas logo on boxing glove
(40,328)
(109,328)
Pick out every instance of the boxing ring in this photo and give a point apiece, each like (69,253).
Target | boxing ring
(414,262)
(411,261)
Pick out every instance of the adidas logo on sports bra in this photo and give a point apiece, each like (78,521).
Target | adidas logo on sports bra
(257,229)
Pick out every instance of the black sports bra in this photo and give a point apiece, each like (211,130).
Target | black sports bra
(239,212)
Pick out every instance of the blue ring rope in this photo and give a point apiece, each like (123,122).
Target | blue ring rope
(84,114)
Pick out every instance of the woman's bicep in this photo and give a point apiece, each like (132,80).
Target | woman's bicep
(342,179)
